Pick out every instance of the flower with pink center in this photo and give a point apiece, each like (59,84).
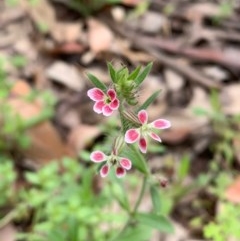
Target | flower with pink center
(104,103)
(140,134)
(122,164)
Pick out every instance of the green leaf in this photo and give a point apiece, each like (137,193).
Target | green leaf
(155,196)
(119,193)
(184,167)
(140,78)
(97,82)
(155,221)
(198,111)
(32,178)
(137,159)
(149,101)
(112,72)
(134,73)
(137,233)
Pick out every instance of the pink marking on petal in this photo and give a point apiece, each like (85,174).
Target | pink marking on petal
(142,145)
(161,124)
(104,170)
(112,94)
(95,94)
(114,104)
(97,156)
(155,137)
(120,172)
(132,135)
(125,163)
(98,106)
(107,111)
(143,116)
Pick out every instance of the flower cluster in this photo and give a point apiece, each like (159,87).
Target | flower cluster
(104,103)
(140,134)
(121,163)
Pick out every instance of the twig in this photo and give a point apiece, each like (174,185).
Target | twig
(186,70)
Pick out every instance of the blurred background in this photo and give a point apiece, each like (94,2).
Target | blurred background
(49,190)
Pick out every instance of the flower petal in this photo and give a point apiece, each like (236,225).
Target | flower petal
(98,106)
(112,94)
(155,136)
(98,156)
(95,94)
(125,163)
(132,135)
(114,104)
(142,145)
(107,111)
(120,172)
(104,170)
(161,124)
(143,116)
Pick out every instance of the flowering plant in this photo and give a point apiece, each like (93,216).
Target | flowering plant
(122,97)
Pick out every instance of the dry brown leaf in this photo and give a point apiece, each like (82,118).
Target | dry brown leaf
(66,32)
(183,126)
(230,99)
(100,37)
(131,2)
(152,84)
(8,233)
(46,143)
(65,74)
(41,12)
(44,17)
(232,193)
(20,88)
(82,136)
(197,11)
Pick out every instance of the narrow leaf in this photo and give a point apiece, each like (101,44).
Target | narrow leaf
(140,78)
(184,167)
(155,221)
(119,193)
(136,233)
(155,196)
(149,101)
(137,159)
(112,72)
(97,82)
(134,73)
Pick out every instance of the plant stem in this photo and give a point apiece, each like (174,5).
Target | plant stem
(135,208)
(138,202)
(8,218)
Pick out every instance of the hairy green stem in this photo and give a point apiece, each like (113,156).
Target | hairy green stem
(135,208)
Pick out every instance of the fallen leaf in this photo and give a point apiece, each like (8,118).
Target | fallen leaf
(197,11)
(44,17)
(131,2)
(153,22)
(67,48)
(100,37)
(20,88)
(152,84)
(82,136)
(230,99)
(8,233)
(66,32)
(183,126)
(46,143)
(175,82)
(232,193)
(65,74)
